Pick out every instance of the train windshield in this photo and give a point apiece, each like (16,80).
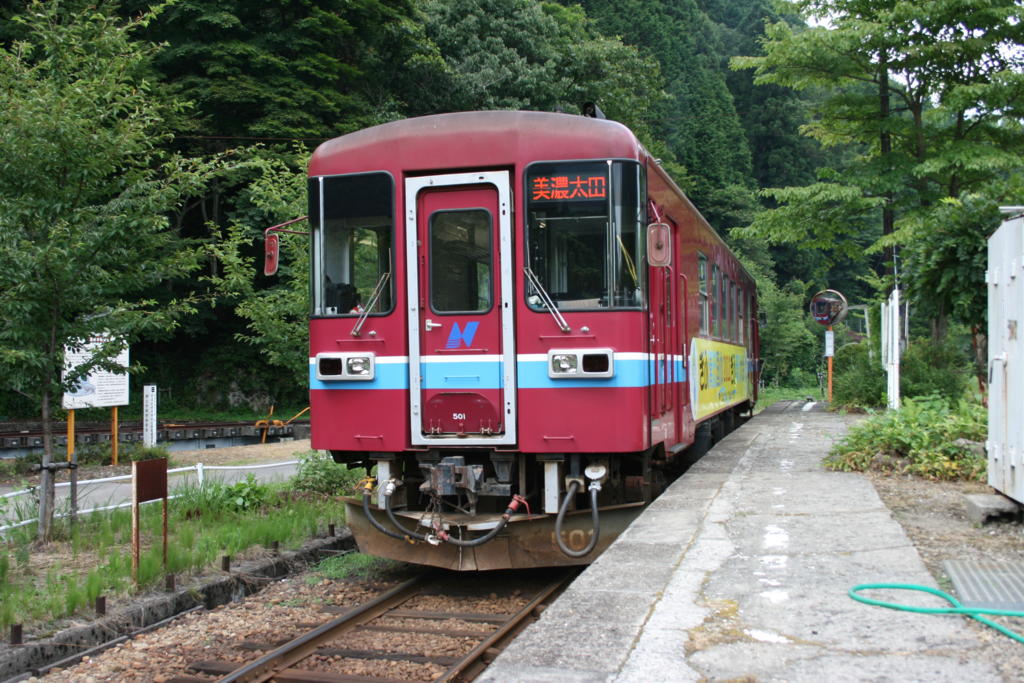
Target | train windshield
(585,234)
(353,223)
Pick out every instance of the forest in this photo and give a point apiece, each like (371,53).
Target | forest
(856,145)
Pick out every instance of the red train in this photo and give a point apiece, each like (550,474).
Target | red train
(524,325)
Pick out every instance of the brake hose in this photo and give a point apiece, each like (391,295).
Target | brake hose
(573,487)
(367,492)
(513,505)
(389,488)
(441,534)
(957,607)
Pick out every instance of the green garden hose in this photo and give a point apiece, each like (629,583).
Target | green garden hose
(957,608)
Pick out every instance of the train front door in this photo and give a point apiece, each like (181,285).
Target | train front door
(461,343)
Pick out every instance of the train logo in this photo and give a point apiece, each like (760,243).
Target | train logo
(465,336)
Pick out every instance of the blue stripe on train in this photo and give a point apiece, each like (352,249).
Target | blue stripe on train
(531,374)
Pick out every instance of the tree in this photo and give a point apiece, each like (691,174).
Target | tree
(927,95)
(527,54)
(83,193)
(286,69)
(276,315)
(698,121)
(771,115)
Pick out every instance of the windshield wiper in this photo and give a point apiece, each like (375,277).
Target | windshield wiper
(546,298)
(378,290)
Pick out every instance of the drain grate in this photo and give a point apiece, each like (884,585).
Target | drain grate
(996,585)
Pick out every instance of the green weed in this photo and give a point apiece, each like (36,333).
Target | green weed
(318,473)
(926,437)
(351,565)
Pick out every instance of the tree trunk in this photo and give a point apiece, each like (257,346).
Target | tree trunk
(885,144)
(979,342)
(46,482)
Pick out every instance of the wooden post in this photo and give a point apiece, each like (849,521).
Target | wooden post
(113,435)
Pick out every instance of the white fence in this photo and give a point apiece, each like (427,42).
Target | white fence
(110,487)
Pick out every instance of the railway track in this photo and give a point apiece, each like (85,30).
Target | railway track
(433,621)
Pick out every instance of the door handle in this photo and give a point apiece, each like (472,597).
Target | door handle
(429,324)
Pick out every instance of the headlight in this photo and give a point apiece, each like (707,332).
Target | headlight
(359,365)
(563,363)
(581,363)
(345,366)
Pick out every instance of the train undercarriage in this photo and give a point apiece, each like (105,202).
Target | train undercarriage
(478,509)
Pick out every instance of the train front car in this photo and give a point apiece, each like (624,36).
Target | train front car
(485,334)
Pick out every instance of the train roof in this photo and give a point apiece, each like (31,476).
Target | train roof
(486,139)
(474,140)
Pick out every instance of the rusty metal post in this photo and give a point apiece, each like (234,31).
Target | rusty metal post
(330,530)
(101,605)
(169,583)
(16,634)
(225,563)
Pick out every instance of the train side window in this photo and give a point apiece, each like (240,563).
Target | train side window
(735,294)
(716,300)
(732,310)
(740,311)
(751,317)
(702,278)
(726,309)
(460,261)
(726,313)
(352,220)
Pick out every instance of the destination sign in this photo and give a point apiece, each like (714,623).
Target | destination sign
(571,187)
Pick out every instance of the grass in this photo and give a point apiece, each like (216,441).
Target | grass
(42,584)
(769,395)
(349,565)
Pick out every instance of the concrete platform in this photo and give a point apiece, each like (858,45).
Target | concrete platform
(740,571)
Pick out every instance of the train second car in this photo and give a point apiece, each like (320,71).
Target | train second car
(522,326)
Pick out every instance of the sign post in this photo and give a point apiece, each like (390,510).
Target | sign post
(828,307)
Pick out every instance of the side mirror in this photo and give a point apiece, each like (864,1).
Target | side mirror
(271,252)
(659,245)
(272,244)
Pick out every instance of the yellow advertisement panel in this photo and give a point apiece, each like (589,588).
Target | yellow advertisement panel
(721,376)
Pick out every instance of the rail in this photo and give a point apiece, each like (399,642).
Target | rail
(282,663)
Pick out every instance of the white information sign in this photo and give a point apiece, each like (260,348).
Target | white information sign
(149,415)
(101,388)
(830,344)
